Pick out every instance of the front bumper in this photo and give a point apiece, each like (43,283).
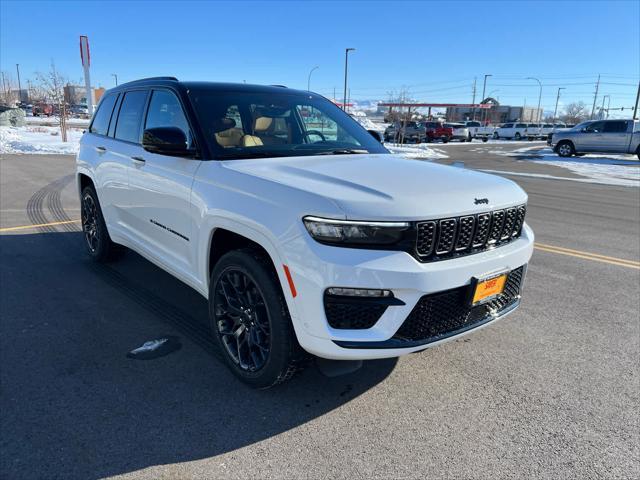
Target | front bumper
(316,267)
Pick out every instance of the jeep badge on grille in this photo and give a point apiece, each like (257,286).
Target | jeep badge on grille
(479,201)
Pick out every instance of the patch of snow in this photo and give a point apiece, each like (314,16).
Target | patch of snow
(625,183)
(421,151)
(598,168)
(40,140)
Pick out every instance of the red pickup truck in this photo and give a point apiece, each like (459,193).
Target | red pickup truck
(437,131)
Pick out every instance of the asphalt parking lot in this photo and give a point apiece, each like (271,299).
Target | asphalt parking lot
(553,391)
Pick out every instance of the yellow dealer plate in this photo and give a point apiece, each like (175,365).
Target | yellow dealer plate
(489,288)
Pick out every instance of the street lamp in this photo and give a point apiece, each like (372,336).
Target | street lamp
(346,69)
(555,111)
(539,96)
(309,77)
(115,75)
(484,88)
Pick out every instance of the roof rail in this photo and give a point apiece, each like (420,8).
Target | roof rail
(174,79)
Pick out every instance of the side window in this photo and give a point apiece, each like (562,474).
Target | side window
(130,116)
(595,127)
(165,111)
(100,123)
(507,125)
(615,127)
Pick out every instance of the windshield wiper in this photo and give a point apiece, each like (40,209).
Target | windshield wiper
(343,151)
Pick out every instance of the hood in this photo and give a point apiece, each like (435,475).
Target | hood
(387,187)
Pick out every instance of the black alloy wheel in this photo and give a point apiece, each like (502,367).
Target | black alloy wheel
(250,319)
(242,319)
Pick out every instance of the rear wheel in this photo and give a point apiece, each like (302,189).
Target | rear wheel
(485,139)
(250,320)
(518,136)
(565,149)
(99,245)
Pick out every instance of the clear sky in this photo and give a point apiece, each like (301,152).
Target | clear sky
(433,48)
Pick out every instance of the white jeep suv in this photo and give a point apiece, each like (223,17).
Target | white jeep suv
(303,232)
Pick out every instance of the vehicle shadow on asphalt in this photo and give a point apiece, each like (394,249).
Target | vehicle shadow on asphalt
(73,405)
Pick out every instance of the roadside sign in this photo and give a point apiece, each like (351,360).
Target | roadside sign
(85,57)
(84,51)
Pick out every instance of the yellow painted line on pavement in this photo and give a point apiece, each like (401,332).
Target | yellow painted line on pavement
(595,257)
(27,227)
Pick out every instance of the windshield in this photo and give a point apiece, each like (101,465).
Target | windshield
(239,125)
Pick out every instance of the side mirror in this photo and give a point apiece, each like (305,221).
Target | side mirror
(169,141)
(375,134)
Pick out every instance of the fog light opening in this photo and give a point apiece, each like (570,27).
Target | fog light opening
(359,292)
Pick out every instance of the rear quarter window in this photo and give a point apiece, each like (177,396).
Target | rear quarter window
(100,124)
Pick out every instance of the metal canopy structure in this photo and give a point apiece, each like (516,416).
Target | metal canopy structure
(436,105)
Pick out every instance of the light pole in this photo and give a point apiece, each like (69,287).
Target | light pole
(555,110)
(539,113)
(346,69)
(115,75)
(484,88)
(608,105)
(309,77)
(19,87)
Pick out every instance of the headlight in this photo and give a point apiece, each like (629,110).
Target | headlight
(345,232)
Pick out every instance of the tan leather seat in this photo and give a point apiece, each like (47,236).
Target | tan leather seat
(251,141)
(229,138)
(262,125)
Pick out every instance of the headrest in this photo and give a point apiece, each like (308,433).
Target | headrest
(263,123)
(222,124)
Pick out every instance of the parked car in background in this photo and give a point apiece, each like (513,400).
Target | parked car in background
(459,131)
(472,126)
(558,127)
(435,131)
(515,131)
(81,111)
(409,132)
(607,136)
(42,109)
(486,132)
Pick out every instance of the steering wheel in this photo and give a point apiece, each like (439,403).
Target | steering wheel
(308,133)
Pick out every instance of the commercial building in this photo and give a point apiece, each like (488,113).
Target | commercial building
(496,114)
(77,94)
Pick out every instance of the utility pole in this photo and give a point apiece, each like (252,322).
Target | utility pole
(346,69)
(4,87)
(555,111)
(19,87)
(334,93)
(484,89)
(635,109)
(538,113)
(595,96)
(602,107)
(473,102)
(608,105)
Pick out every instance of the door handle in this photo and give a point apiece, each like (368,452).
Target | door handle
(138,160)
(101,149)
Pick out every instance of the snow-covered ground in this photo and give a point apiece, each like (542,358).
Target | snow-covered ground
(421,151)
(45,140)
(608,169)
(53,121)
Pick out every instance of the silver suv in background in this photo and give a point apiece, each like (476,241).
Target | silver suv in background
(609,136)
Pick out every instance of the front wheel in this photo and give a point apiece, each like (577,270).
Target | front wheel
(485,139)
(565,149)
(518,136)
(250,320)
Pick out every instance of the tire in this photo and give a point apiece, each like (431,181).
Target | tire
(98,243)
(266,351)
(445,139)
(638,152)
(565,149)
(517,136)
(496,136)
(485,139)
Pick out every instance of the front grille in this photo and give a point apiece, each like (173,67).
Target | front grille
(347,313)
(443,314)
(451,237)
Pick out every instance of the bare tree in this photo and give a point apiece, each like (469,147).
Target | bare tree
(575,112)
(52,83)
